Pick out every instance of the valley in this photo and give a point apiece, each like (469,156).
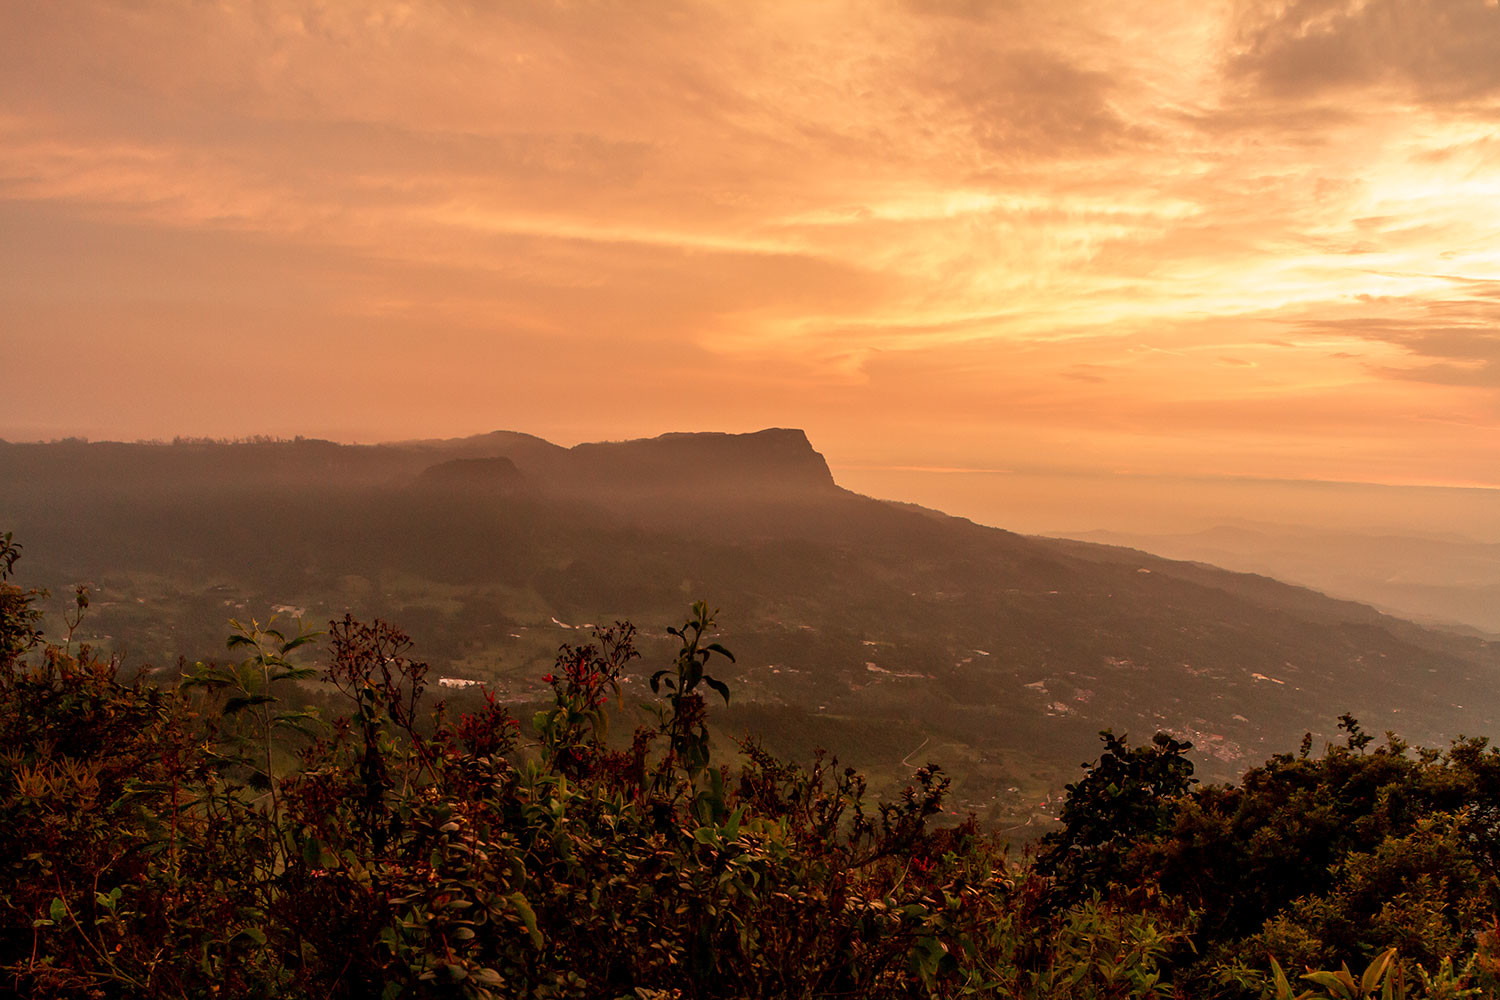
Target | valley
(888,634)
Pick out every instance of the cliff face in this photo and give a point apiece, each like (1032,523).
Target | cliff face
(777,461)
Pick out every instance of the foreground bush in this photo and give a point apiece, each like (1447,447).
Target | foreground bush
(212,839)
(158,843)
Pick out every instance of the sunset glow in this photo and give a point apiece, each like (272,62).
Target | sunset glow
(1240,239)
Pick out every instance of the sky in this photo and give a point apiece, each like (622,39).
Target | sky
(1177,239)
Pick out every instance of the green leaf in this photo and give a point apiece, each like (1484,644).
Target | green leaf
(1280,979)
(1330,981)
(732,825)
(241,702)
(58,910)
(528,916)
(1284,988)
(1377,968)
(206,676)
(299,722)
(718,686)
(714,647)
(253,933)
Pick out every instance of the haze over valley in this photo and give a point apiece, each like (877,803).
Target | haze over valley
(1425,552)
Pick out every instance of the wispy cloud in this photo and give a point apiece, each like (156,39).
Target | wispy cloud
(904,215)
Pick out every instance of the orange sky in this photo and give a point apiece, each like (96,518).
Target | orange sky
(1179,238)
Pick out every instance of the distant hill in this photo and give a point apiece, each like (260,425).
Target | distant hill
(483,474)
(890,633)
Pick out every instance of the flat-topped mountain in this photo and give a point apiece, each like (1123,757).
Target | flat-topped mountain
(774,458)
(875,629)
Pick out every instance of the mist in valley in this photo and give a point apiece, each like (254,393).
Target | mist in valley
(1431,553)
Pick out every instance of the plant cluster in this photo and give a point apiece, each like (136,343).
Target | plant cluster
(207,839)
(1309,861)
(214,838)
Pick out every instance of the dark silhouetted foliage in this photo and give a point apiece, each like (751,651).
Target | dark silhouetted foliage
(213,838)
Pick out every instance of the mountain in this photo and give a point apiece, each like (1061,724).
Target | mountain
(889,633)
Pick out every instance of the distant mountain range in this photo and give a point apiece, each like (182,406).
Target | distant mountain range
(889,633)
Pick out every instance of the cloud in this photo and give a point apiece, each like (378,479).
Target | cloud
(1452,340)
(1169,220)
(1022,103)
(1464,356)
(1436,51)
